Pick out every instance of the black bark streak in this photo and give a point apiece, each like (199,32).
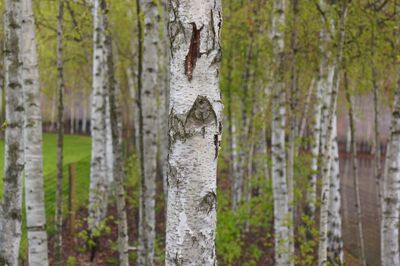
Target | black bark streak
(194,51)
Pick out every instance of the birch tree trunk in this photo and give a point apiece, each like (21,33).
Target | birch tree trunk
(72,113)
(11,205)
(109,145)
(149,132)
(163,49)
(283,223)
(60,136)
(34,194)
(327,148)
(390,210)
(118,164)
(356,182)
(293,105)
(195,125)
(98,178)
(335,242)
(311,195)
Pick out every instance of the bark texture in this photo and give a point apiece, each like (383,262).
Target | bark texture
(391,187)
(98,167)
(118,163)
(332,89)
(195,124)
(34,194)
(11,205)
(60,136)
(335,242)
(283,224)
(149,91)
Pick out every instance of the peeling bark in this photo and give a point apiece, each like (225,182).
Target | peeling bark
(195,120)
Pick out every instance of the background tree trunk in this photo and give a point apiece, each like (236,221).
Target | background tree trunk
(34,194)
(283,224)
(150,88)
(98,178)
(118,162)
(60,136)
(11,205)
(195,124)
(390,210)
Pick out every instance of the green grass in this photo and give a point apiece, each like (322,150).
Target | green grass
(76,150)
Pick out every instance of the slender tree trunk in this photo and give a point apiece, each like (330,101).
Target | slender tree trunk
(72,113)
(98,178)
(11,205)
(377,142)
(60,136)
(195,124)
(34,194)
(233,169)
(85,114)
(293,105)
(164,96)
(390,210)
(327,148)
(118,164)
(311,195)
(303,123)
(356,182)
(149,130)
(335,242)
(109,146)
(282,211)
(53,112)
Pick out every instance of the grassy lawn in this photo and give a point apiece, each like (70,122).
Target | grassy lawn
(76,150)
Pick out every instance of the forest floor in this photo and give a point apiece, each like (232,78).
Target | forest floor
(76,252)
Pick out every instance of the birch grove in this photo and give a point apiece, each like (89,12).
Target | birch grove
(305,175)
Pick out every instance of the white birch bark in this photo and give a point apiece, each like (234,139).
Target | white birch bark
(34,194)
(98,177)
(11,205)
(195,121)
(391,202)
(335,242)
(117,158)
(109,146)
(149,91)
(327,148)
(164,96)
(283,223)
(311,195)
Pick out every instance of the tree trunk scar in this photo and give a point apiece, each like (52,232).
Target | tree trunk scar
(194,51)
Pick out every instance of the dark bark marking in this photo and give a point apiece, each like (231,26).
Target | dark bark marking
(194,51)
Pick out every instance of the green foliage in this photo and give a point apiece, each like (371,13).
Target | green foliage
(71,261)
